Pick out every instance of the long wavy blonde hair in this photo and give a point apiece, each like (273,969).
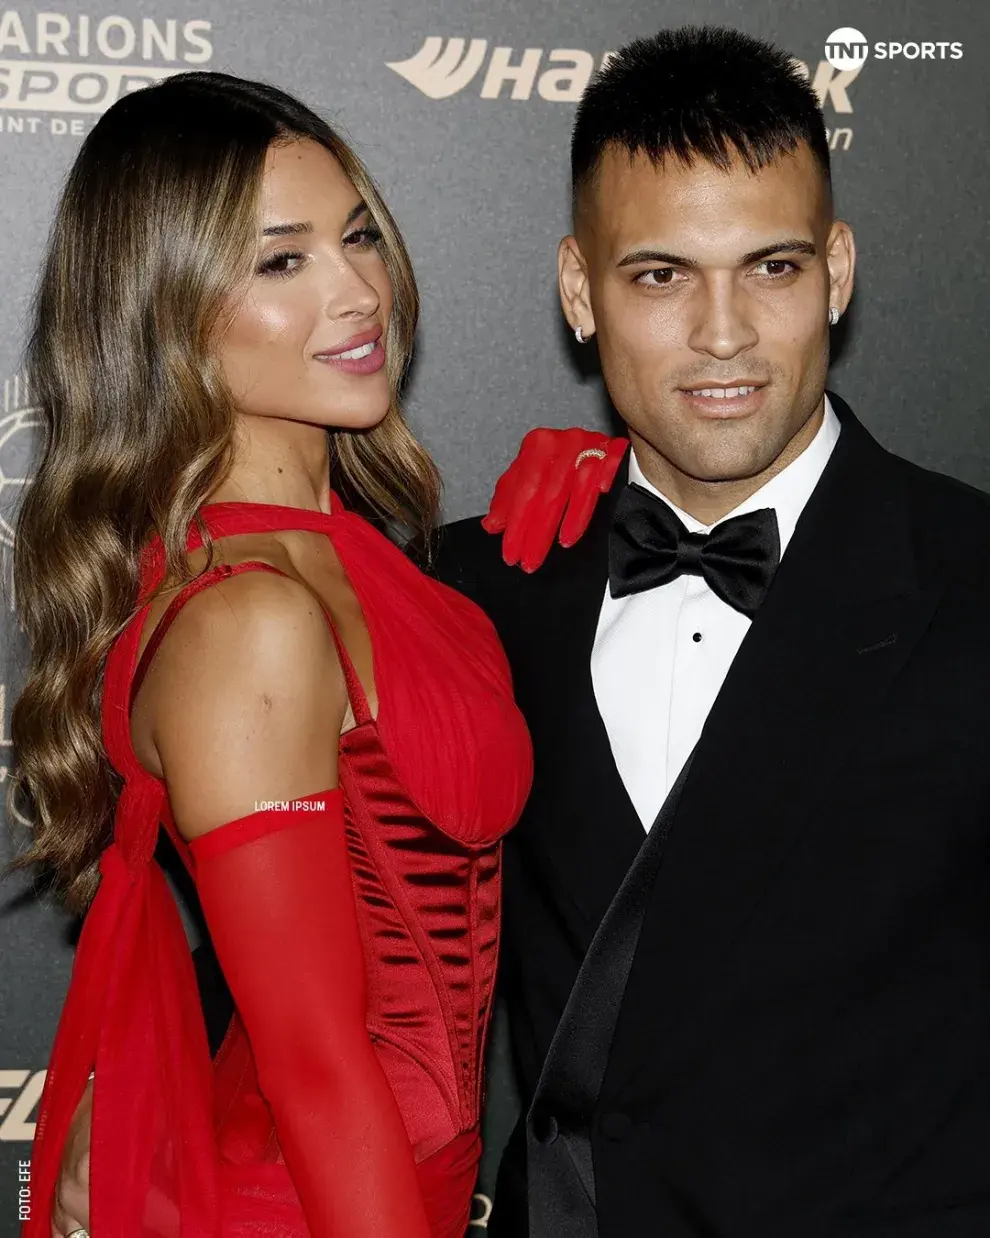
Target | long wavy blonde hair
(155,228)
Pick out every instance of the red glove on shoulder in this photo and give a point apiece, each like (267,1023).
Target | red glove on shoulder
(551,485)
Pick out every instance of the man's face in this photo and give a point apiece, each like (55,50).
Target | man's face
(695,278)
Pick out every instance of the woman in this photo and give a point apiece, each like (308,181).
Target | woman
(219,644)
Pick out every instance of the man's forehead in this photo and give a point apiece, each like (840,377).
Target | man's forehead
(632,192)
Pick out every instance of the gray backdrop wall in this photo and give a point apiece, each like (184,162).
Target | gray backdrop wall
(463,111)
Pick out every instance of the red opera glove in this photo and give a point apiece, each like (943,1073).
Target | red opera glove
(554,482)
(275,887)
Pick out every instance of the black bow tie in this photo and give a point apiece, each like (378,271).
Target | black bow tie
(649,546)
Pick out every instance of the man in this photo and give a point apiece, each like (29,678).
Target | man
(748,988)
(746,934)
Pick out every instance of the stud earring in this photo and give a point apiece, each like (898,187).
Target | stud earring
(833,315)
(579,335)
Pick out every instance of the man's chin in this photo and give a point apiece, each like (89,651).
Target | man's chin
(712,453)
(727,477)
(724,469)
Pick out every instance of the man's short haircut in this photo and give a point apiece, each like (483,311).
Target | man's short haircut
(694,92)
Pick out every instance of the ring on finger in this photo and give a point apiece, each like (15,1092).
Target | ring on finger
(597,453)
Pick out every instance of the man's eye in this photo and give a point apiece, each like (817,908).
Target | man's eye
(656,278)
(778,262)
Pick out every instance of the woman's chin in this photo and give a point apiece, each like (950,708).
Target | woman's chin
(355,419)
(345,414)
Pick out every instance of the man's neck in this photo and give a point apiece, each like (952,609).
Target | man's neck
(709,501)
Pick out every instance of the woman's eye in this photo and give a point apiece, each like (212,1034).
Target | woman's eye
(363,237)
(275,264)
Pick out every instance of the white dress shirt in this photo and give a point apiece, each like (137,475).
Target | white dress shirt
(660,657)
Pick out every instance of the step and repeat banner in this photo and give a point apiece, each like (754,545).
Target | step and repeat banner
(463,111)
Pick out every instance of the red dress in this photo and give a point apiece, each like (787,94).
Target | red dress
(184,1146)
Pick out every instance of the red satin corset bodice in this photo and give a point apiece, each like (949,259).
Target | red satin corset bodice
(430,787)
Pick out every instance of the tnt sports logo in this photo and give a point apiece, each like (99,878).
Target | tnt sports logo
(20,1091)
(81,63)
(846,48)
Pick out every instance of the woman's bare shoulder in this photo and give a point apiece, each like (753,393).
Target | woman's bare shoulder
(246,676)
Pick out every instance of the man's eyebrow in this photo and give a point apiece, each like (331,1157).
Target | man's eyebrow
(306,226)
(792,245)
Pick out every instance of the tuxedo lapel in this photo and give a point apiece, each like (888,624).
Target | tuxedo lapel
(561,1172)
(841,618)
(579,814)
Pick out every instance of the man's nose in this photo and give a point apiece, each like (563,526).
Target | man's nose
(723,323)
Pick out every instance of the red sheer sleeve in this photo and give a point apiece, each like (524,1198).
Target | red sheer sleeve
(276,891)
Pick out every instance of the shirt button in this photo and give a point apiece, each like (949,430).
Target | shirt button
(696,637)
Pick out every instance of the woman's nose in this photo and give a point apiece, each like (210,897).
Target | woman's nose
(351,294)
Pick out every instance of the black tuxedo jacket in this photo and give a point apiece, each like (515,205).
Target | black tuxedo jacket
(802,1046)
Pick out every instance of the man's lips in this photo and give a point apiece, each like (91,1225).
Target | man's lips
(735,399)
(723,386)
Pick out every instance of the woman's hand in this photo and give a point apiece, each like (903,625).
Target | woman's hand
(554,482)
(71,1209)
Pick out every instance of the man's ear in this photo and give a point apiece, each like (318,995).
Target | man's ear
(841,259)
(572,279)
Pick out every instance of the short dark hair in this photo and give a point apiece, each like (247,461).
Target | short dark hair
(697,92)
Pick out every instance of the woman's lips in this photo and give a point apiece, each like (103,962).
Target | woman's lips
(361,354)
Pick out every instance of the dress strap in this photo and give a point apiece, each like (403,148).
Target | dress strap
(222,571)
(355,690)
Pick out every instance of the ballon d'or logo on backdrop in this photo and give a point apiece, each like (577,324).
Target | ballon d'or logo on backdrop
(19,418)
(846,48)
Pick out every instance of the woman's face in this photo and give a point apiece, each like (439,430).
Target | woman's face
(307,342)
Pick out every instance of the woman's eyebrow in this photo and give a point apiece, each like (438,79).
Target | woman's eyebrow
(295,229)
(288,229)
